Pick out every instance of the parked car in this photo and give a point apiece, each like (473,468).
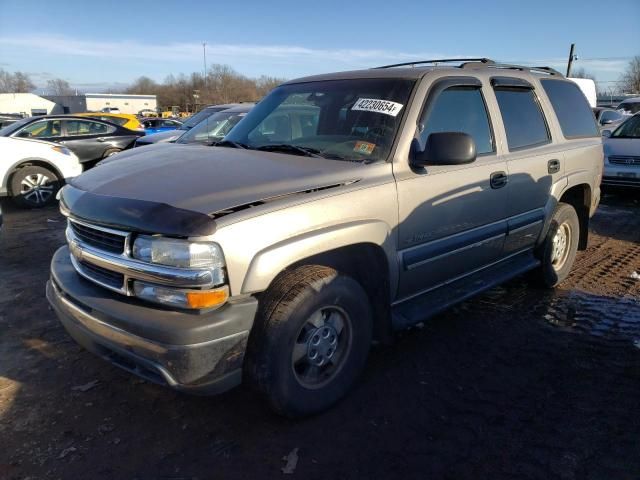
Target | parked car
(192,121)
(90,139)
(213,129)
(278,255)
(8,119)
(608,118)
(622,154)
(147,112)
(126,120)
(630,106)
(32,171)
(110,110)
(157,125)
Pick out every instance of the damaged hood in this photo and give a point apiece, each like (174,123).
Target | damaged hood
(210,179)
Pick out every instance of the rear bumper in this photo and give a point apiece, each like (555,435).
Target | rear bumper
(199,353)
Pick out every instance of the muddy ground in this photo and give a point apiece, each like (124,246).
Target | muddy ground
(518,383)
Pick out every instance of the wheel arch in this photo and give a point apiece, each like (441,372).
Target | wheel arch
(28,162)
(370,262)
(579,197)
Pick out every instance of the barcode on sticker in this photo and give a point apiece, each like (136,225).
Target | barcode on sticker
(378,106)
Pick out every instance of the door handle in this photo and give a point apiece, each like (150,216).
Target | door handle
(553,166)
(100,139)
(498,179)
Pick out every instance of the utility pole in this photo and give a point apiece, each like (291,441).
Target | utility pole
(204,60)
(572,57)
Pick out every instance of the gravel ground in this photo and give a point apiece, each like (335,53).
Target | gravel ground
(517,383)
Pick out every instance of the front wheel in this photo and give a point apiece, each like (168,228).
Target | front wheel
(558,251)
(34,186)
(311,340)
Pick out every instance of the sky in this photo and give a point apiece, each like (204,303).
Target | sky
(100,45)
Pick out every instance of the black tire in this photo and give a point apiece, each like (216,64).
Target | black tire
(555,269)
(284,322)
(111,151)
(34,186)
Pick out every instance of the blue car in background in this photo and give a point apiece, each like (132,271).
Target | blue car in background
(156,125)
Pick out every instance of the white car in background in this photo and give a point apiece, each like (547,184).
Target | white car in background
(32,171)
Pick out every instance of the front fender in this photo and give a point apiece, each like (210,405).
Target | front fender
(267,263)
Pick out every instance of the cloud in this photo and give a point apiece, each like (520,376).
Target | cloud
(219,53)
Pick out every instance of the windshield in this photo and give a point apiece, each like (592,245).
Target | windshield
(196,118)
(630,107)
(213,128)
(629,129)
(8,130)
(339,119)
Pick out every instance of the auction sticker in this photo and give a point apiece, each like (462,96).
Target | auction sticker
(378,106)
(365,148)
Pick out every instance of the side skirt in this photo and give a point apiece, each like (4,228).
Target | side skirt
(408,312)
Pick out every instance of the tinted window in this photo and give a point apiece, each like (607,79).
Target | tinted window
(46,129)
(572,109)
(82,127)
(630,107)
(629,129)
(523,121)
(459,109)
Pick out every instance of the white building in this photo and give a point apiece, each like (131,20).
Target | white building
(27,104)
(125,103)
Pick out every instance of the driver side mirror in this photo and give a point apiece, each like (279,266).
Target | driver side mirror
(606,133)
(446,148)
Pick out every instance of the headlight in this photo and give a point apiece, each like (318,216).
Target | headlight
(178,253)
(63,150)
(192,299)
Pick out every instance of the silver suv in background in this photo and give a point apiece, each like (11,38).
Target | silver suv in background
(341,208)
(188,124)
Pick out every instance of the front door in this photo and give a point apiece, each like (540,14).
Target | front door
(452,218)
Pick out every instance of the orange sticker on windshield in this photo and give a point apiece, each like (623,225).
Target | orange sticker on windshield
(365,148)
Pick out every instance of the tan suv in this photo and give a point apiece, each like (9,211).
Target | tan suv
(341,208)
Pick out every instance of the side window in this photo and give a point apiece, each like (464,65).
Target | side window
(609,116)
(523,120)
(50,128)
(572,109)
(459,109)
(83,127)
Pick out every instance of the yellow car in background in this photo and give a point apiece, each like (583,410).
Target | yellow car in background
(126,120)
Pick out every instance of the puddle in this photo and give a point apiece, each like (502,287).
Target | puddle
(596,315)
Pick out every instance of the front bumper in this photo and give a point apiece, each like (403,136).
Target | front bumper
(194,352)
(621,175)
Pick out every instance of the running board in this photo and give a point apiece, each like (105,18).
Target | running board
(417,309)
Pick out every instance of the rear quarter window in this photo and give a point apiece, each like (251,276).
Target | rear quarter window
(572,109)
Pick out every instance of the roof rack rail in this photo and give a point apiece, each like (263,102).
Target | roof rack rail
(547,70)
(438,60)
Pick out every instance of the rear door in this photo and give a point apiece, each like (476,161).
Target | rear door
(452,217)
(534,162)
(88,139)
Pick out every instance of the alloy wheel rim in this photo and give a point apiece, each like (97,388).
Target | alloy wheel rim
(321,347)
(36,188)
(560,246)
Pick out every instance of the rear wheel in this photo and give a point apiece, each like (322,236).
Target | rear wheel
(111,151)
(310,341)
(560,246)
(34,186)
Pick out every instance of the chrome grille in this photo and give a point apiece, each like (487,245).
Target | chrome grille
(103,276)
(103,239)
(625,160)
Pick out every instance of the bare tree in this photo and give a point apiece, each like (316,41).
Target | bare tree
(17,82)
(143,86)
(630,80)
(58,86)
(265,84)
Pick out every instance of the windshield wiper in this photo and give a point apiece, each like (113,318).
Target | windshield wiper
(228,143)
(286,148)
